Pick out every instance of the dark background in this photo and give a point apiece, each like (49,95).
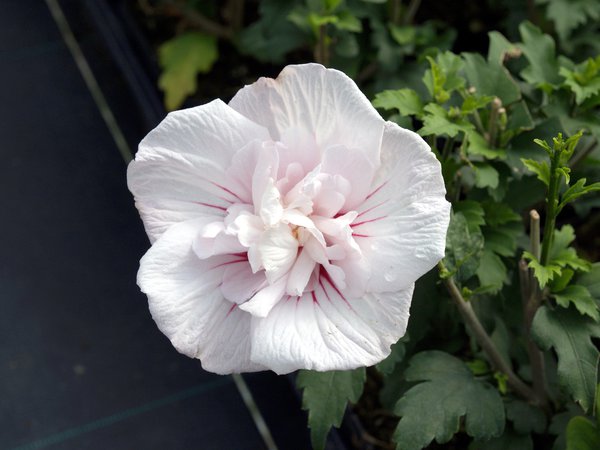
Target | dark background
(82,364)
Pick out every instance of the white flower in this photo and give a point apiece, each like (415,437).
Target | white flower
(288,227)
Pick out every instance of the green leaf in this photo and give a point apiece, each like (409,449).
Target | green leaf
(564,256)
(525,417)
(519,117)
(568,15)
(502,239)
(182,59)
(499,214)
(473,212)
(397,354)
(580,297)
(540,168)
(463,248)
(490,79)
(584,80)
(477,145)
(437,122)
(407,101)
(508,441)
(500,49)
(591,280)
(472,103)
(486,176)
(539,49)
(569,333)
(491,271)
(543,274)
(434,408)
(348,22)
(442,78)
(271,37)
(576,191)
(325,396)
(582,434)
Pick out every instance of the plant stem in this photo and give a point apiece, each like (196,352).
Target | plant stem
(486,343)
(551,204)
(531,297)
(493,121)
(411,11)
(322,47)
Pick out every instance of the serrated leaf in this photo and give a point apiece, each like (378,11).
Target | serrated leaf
(580,297)
(559,283)
(577,190)
(434,408)
(490,79)
(325,396)
(442,78)
(542,273)
(539,49)
(407,101)
(472,103)
(584,80)
(486,176)
(569,333)
(437,122)
(564,256)
(540,168)
(182,59)
(582,434)
(463,248)
(526,418)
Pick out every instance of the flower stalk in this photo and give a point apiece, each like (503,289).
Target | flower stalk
(485,342)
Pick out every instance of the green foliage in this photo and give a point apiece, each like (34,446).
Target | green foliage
(182,59)
(570,333)
(447,393)
(584,433)
(325,396)
(487,118)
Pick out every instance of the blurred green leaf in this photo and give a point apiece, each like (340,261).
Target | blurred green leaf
(182,59)
(526,418)
(437,121)
(582,434)
(463,248)
(407,101)
(486,176)
(539,49)
(540,168)
(490,79)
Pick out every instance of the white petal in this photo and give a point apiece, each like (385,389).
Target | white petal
(265,173)
(188,306)
(300,274)
(323,102)
(240,283)
(401,228)
(323,330)
(278,249)
(265,299)
(212,240)
(179,170)
(356,169)
(270,205)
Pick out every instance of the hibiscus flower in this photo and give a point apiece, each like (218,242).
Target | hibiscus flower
(288,227)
